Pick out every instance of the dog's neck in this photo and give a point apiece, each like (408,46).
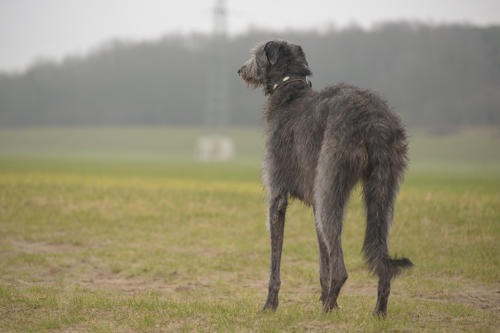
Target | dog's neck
(275,86)
(284,94)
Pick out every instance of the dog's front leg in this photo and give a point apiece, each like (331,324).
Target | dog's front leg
(277,211)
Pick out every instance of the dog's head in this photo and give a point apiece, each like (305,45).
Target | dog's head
(270,61)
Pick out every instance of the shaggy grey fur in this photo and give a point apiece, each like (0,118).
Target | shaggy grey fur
(319,144)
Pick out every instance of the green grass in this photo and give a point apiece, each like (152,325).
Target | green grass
(129,233)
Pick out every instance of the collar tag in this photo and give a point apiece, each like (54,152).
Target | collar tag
(291,78)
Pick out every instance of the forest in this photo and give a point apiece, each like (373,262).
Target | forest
(439,77)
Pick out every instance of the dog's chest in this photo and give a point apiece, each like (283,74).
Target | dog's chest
(290,159)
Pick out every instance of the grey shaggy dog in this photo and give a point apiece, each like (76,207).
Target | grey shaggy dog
(319,144)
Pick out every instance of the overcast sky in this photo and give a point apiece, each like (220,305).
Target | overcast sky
(30,29)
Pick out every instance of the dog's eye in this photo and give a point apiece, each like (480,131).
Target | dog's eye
(299,50)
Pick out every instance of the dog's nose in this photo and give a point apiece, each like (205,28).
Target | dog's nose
(239,71)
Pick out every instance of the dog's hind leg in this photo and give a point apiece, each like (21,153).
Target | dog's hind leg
(277,211)
(336,176)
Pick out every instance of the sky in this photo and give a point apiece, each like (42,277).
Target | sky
(39,29)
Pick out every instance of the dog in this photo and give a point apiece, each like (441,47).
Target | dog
(319,144)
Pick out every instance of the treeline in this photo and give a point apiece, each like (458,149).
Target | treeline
(439,77)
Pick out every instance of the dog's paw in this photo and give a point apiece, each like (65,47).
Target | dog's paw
(270,306)
(380,314)
(329,306)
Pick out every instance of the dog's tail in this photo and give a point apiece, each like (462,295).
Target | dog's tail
(387,161)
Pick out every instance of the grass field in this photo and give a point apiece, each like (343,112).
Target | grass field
(122,230)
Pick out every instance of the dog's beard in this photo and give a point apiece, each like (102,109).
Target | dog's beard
(251,74)
(253,83)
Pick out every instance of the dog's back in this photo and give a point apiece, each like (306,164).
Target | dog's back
(358,120)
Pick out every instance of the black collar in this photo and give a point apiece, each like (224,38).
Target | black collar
(290,78)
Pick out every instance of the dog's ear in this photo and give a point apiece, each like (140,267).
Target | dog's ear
(272,50)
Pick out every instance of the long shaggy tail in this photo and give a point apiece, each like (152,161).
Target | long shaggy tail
(387,266)
(387,163)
